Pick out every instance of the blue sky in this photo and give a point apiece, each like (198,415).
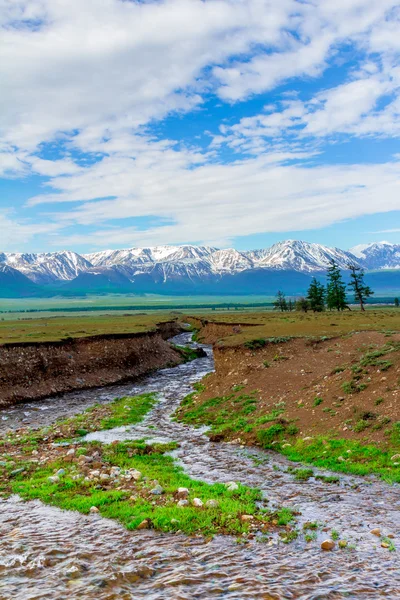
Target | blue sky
(222,122)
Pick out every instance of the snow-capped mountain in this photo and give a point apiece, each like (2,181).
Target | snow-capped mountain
(47,267)
(300,256)
(379,255)
(203,269)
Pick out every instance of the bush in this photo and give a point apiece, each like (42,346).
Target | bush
(256,344)
(267,436)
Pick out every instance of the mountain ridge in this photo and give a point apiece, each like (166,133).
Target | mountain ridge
(195,269)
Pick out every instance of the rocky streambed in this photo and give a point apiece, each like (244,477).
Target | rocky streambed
(49,553)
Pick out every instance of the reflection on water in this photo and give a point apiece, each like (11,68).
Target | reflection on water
(52,554)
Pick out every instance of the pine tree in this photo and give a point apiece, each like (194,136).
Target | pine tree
(316,296)
(280,302)
(335,289)
(360,290)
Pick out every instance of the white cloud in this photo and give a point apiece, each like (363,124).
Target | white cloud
(17,234)
(204,202)
(91,76)
(117,64)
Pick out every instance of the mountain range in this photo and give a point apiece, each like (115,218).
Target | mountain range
(189,269)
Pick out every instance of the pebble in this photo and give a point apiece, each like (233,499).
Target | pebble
(70,452)
(94,509)
(395,457)
(197,502)
(144,524)
(60,472)
(246,518)
(212,503)
(328,545)
(157,491)
(182,492)
(17,471)
(53,479)
(231,486)
(376,532)
(182,503)
(104,477)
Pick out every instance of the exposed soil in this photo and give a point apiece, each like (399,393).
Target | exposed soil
(295,373)
(30,371)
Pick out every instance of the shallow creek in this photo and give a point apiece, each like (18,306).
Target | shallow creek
(54,554)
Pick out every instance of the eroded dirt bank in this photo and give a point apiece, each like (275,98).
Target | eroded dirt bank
(346,386)
(30,371)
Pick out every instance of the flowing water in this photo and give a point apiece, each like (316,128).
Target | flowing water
(46,553)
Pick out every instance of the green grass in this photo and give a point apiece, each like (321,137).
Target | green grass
(133,502)
(57,328)
(346,456)
(164,515)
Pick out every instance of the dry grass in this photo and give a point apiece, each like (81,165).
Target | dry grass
(274,324)
(58,328)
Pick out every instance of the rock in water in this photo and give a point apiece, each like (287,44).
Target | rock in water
(328,545)
(376,532)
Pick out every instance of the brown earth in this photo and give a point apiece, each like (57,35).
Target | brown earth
(293,374)
(30,371)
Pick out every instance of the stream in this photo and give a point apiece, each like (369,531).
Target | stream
(47,553)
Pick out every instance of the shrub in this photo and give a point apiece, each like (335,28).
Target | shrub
(267,436)
(256,344)
(318,401)
(292,429)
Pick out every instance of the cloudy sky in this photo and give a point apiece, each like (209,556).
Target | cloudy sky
(227,122)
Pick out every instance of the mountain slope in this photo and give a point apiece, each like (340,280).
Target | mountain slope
(379,255)
(14,284)
(301,256)
(48,267)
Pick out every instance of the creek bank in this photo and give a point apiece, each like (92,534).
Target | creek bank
(32,371)
(330,402)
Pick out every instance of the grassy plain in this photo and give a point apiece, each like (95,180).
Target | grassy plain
(55,328)
(269,324)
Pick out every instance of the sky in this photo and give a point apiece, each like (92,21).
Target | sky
(231,123)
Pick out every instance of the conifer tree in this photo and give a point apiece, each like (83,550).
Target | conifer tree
(357,284)
(396,302)
(316,296)
(335,289)
(280,302)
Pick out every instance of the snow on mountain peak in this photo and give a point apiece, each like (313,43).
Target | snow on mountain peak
(378,255)
(189,262)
